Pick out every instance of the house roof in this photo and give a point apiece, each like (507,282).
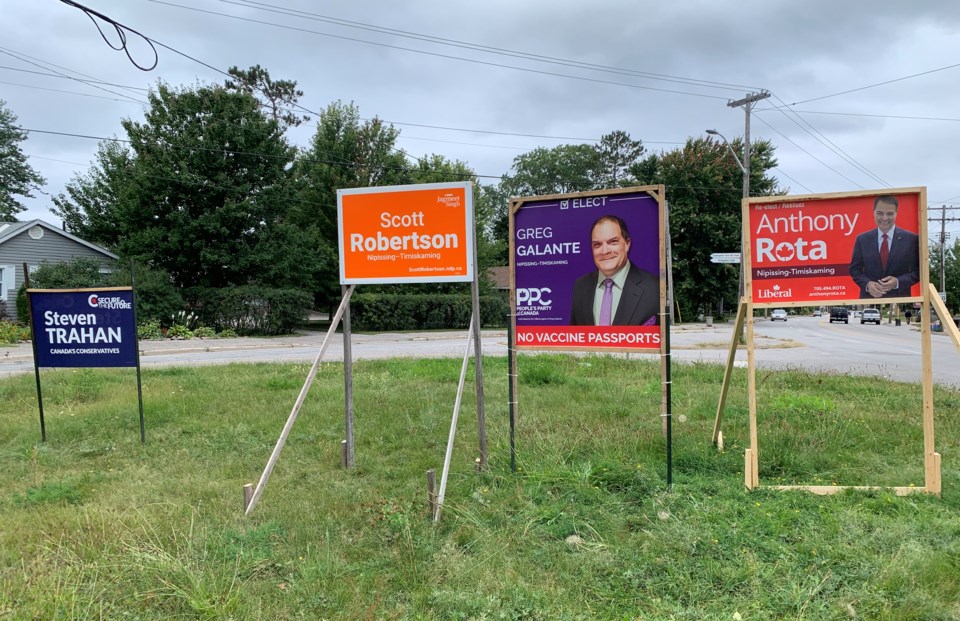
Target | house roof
(500,275)
(9,230)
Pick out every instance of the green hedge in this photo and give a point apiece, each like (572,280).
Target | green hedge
(382,312)
(250,309)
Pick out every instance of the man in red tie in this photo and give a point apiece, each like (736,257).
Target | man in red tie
(886,260)
(617,293)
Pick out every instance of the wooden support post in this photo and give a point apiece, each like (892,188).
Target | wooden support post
(747,469)
(931,459)
(933,474)
(247,495)
(946,321)
(432,492)
(728,372)
(312,375)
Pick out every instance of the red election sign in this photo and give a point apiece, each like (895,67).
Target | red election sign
(852,248)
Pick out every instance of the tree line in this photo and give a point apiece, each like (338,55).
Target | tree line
(208,192)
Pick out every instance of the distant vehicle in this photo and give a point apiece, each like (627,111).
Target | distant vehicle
(854,313)
(870,315)
(839,313)
(817,313)
(778,314)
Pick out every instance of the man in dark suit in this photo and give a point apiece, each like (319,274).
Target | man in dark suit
(618,292)
(886,260)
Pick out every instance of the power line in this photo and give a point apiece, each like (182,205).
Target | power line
(250,153)
(809,191)
(867,115)
(827,166)
(24,58)
(57,90)
(819,137)
(885,82)
(121,31)
(57,75)
(438,55)
(279,10)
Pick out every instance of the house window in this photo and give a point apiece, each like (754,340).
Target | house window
(6,283)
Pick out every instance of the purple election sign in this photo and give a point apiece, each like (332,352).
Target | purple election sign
(84,327)
(551,250)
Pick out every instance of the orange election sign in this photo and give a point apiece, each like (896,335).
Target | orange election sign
(408,233)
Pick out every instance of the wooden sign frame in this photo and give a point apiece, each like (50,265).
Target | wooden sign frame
(587,201)
(744,323)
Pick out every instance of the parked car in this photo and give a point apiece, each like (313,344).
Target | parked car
(839,313)
(817,313)
(778,314)
(870,315)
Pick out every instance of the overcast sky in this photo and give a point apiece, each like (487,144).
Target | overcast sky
(864,95)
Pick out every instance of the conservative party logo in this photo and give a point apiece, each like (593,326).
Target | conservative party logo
(108,303)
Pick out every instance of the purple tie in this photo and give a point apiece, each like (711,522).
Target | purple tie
(606,304)
(884,252)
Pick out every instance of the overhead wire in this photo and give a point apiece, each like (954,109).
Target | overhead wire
(302,158)
(869,86)
(475,47)
(827,166)
(24,58)
(436,54)
(832,146)
(121,31)
(58,90)
(57,75)
(280,10)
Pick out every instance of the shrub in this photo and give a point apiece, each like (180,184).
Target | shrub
(250,309)
(149,330)
(203,332)
(12,333)
(177,331)
(384,311)
(156,296)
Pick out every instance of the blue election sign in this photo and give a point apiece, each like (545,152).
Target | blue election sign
(84,328)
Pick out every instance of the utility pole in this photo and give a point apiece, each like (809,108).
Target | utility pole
(943,247)
(747,104)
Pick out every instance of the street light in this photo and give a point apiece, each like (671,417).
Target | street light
(714,132)
(745,169)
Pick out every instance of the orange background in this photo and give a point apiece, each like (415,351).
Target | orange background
(361,213)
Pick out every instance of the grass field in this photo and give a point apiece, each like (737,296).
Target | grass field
(95,525)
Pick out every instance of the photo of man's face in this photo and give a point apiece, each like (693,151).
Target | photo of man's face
(885,214)
(610,249)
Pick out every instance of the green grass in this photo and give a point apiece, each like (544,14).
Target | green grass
(95,525)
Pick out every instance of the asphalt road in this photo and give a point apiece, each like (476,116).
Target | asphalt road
(801,342)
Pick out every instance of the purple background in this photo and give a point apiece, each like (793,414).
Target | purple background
(638,209)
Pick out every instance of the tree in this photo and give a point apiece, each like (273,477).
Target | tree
(345,152)
(562,169)
(616,153)
(278,96)
(202,192)
(17,177)
(88,208)
(951,271)
(703,190)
